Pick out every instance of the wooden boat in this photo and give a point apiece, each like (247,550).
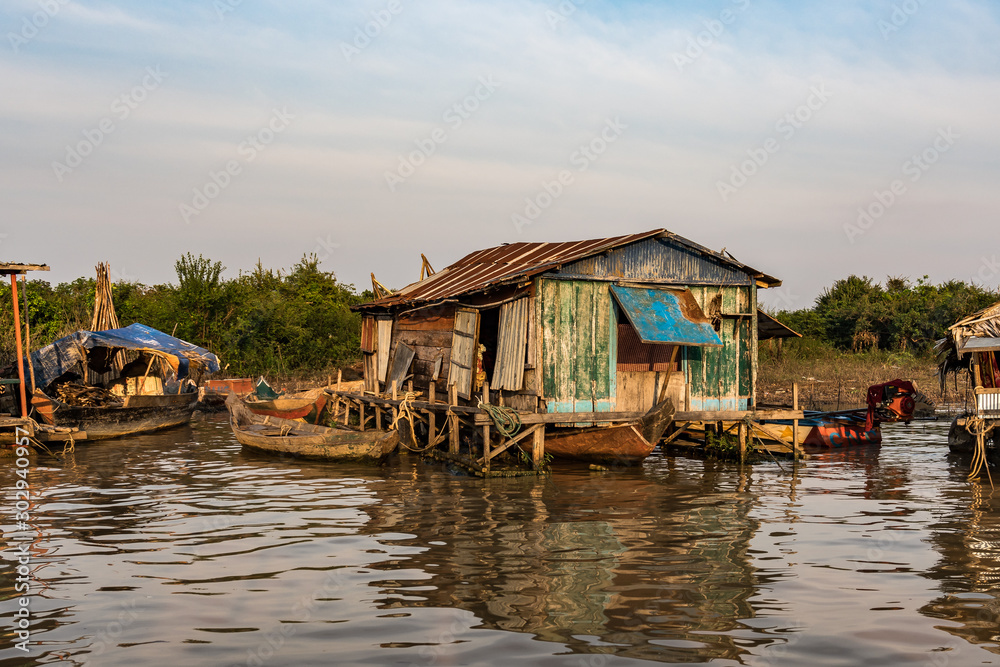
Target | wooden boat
(625,444)
(284,436)
(136,414)
(305,406)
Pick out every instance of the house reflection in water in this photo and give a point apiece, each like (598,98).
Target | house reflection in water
(640,568)
(968,541)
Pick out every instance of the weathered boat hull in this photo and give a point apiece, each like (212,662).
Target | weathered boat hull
(305,407)
(822,434)
(615,445)
(627,444)
(285,437)
(373,448)
(139,414)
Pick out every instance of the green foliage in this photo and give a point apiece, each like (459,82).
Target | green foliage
(859,314)
(261,322)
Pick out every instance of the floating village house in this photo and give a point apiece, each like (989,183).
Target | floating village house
(605,325)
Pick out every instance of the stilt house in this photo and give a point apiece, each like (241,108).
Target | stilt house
(603,325)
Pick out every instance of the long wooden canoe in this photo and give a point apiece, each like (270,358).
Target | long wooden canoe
(284,436)
(137,414)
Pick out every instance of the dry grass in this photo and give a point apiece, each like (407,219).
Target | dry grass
(830,379)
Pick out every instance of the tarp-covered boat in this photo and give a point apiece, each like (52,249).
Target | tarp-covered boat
(134,399)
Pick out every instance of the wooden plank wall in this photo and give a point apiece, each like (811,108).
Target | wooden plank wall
(429,335)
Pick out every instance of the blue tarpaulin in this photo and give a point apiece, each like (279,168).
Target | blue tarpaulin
(666,316)
(98,349)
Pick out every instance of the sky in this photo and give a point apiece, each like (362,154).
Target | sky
(810,140)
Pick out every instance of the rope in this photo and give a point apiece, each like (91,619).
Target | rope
(750,430)
(506,420)
(977,427)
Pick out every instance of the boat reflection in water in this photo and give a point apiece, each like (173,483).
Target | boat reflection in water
(641,568)
(968,573)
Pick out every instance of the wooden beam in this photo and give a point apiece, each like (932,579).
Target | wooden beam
(676,434)
(510,443)
(18,269)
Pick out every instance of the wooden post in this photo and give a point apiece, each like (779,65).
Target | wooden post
(431,416)
(361,412)
(409,386)
(486,427)
(453,442)
(20,349)
(378,418)
(395,390)
(795,422)
(538,447)
(339,375)
(742,434)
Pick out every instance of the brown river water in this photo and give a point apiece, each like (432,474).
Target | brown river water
(178,548)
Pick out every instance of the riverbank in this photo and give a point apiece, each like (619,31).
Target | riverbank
(831,379)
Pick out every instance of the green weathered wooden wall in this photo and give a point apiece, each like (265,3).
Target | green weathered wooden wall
(576,323)
(723,378)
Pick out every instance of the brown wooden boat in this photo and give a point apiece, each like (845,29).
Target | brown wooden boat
(136,414)
(306,405)
(284,436)
(626,444)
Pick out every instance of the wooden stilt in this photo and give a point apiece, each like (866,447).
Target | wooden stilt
(538,447)
(431,415)
(361,414)
(395,391)
(486,427)
(742,435)
(795,422)
(339,376)
(378,418)
(453,441)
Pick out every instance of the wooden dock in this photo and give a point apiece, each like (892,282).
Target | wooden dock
(426,422)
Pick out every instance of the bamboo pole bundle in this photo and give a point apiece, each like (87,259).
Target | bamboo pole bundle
(104,307)
(105,317)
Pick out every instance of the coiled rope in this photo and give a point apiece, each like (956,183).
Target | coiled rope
(405,412)
(978,428)
(506,420)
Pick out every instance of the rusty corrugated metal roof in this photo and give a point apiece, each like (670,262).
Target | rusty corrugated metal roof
(513,261)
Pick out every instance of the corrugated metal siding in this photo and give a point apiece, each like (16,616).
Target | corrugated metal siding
(463,351)
(577,345)
(368,343)
(383,347)
(634,355)
(722,378)
(509,370)
(659,260)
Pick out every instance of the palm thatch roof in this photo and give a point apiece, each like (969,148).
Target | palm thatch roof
(978,331)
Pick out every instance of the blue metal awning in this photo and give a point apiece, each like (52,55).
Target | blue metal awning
(666,316)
